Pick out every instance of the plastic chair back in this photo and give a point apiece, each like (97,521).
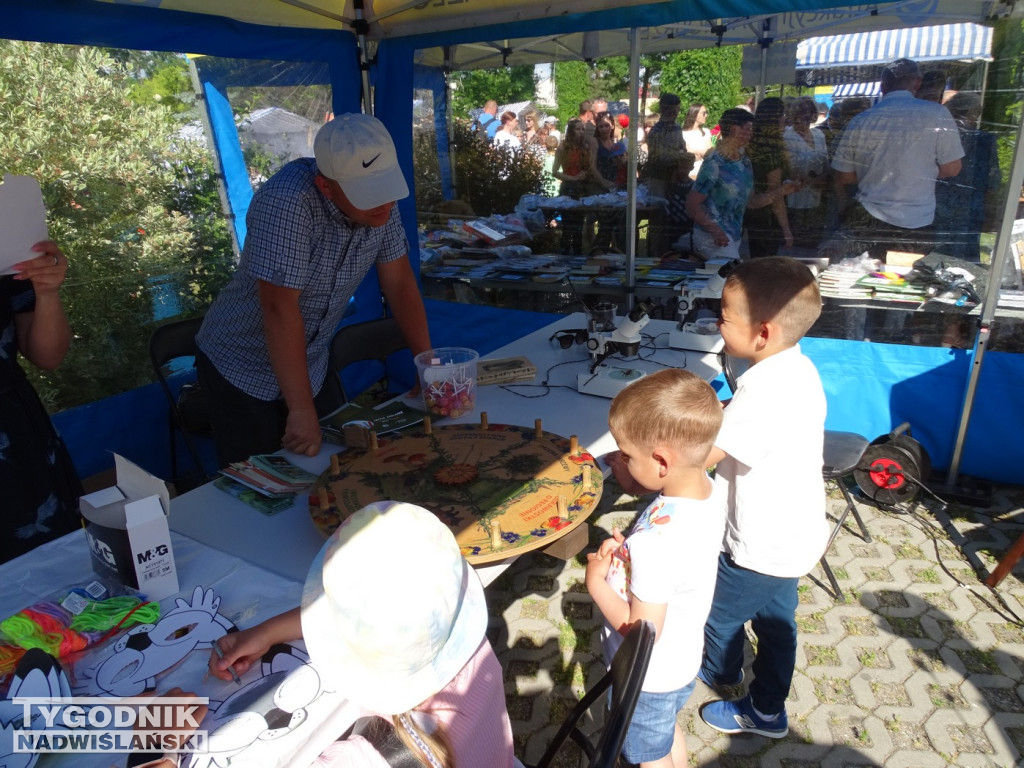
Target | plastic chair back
(371,340)
(169,342)
(626,678)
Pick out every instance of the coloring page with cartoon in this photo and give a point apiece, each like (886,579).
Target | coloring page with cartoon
(281,713)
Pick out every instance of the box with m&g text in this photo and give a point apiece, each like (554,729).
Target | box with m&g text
(126,526)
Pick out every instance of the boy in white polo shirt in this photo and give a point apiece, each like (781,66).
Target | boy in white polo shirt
(769,460)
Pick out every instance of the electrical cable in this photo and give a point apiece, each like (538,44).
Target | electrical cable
(926,527)
(544,384)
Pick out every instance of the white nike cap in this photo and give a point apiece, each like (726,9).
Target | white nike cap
(356,151)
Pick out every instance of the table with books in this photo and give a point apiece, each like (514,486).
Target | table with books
(286,541)
(892,303)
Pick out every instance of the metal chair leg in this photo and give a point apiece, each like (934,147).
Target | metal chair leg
(850,507)
(853,508)
(840,597)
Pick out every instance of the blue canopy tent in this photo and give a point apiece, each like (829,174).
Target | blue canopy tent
(388,40)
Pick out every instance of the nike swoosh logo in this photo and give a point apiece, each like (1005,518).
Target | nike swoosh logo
(368,163)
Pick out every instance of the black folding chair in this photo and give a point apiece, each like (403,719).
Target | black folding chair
(625,678)
(371,340)
(843,454)
(170,342)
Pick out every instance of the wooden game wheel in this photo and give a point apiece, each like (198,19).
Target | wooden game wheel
(503,490)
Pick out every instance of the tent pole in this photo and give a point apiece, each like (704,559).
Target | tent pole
(448,119)
(634,121)
(211,143)
(362,27)
(984,84)
(1000,255)
(762,84)
(450,128)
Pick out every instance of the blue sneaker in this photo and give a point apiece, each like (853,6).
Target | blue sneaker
(702,676)
(739,717)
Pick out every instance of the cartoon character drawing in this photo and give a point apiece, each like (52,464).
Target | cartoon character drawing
(149,649)
(266,709)
(37,675)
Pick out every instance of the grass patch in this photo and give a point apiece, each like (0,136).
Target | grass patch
(979,662)
(822,656)
(908,551)
(925,575)
(813,623)
(909,627)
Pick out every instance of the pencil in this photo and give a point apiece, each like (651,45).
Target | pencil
(220,654)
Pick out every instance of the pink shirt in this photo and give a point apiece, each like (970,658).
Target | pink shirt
(480,735)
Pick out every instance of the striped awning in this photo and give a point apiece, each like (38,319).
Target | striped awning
(872,90)
(945,42)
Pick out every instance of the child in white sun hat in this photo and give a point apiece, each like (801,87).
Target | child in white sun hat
(394,619)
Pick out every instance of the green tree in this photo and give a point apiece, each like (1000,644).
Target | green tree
(118,185)
(709,76)
(169,85)
(572,85)
(611,76)
(611,79)
(1001,105)
(492,177)
(505,85)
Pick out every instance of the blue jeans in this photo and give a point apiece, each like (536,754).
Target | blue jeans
(769,603)
(653,727)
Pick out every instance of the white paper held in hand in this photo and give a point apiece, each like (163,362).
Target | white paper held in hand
(22,220)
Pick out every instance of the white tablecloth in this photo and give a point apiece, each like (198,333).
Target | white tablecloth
(248,594)
(287,542)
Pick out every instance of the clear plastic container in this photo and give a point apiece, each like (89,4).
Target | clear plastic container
(448,380)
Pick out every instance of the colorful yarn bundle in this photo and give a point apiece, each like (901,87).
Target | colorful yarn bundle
(54,629)
(9,656)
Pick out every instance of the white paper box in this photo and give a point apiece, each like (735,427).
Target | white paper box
(126,526)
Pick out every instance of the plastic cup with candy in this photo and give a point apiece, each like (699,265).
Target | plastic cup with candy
(448,380)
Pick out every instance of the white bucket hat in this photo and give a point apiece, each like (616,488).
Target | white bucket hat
(391,611)
(356,151)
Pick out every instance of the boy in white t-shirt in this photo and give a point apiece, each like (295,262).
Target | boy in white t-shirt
(664,570)
(769,461)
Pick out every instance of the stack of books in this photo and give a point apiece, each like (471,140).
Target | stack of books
(270,475)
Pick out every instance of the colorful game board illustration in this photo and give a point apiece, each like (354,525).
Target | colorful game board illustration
(503,490)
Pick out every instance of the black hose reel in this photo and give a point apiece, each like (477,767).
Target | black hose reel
(894,468)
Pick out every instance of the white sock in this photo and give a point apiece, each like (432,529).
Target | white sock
(763,716)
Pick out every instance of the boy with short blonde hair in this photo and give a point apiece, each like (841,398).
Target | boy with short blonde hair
(769,463)
(664,570)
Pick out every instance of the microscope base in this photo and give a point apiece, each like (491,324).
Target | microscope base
(689,338)
(606,381)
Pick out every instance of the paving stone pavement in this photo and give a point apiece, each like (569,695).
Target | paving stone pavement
(922,665)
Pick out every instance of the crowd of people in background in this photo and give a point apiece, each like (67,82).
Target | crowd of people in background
(790,164)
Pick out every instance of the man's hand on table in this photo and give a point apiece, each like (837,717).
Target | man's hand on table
(302,433)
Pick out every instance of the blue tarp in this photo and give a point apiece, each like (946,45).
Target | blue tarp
(872,388)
